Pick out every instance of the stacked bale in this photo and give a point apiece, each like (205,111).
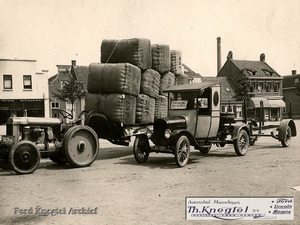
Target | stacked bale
(112,89)
(167,80)
(136,51)
(181,79)
(161,58)
(176,64)
(129,82)
(145,109)
(114,78)
(117,107)
(161,107)
(150,83)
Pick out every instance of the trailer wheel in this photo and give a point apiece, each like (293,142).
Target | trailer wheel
(241,143)
(4,162)
(140,148)
(288,137)
(80,146)
(24,157)
(182,151)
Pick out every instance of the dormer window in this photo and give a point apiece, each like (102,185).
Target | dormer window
(251,72)
(268,73)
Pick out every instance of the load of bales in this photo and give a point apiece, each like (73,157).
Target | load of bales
(128,83)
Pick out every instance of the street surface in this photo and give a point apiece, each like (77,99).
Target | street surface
(115,189)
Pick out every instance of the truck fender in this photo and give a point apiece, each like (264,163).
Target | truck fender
(237,129)
(177,133)
(283,127)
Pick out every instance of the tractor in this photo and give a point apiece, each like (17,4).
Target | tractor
(28,139)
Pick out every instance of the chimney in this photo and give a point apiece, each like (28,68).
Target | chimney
(262,57)
(218,54)
(294,72)
(73,62)
(230,55)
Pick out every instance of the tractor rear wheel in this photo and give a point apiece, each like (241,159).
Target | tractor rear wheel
(24,157)
(80,146)
(182,151)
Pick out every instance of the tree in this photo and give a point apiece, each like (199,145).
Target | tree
(71,90)
(243,89)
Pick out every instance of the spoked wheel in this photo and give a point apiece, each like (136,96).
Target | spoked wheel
(182,151)
(288,137)
(241,144)
(140,147)
(24,157)
(4,162)
(80,146)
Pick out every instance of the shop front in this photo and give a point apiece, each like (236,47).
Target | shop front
(21,107)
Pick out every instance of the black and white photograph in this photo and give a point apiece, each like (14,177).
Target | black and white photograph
(149,112)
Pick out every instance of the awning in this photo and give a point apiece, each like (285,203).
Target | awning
(277,103)
(255,102)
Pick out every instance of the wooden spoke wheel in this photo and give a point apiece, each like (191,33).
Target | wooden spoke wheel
(182,151)
(140,147)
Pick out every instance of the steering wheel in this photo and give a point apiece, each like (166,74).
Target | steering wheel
(65,114)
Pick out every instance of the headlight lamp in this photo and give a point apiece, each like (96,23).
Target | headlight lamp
(167,133)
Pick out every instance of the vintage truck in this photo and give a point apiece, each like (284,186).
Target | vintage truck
(194,119)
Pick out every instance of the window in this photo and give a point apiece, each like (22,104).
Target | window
(268,86)
(276,86)
(7,81)
(238,111)
(55,105)
(27,82)
(260,86)
(252,86)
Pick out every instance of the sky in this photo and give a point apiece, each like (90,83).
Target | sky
(54,32)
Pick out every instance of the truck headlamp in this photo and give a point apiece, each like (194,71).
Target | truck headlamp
(167,133)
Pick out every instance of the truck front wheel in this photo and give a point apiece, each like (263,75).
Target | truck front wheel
(182,151)
(140,148)
(241,143)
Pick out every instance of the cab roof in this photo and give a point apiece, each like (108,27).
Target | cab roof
(194,87)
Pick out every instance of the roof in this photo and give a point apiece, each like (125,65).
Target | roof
(289,80)
(227,87)
(81,73)
(255,68)
(189,87)
(188,71)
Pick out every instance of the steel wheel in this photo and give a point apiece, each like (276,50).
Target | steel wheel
(241,144)
(24,157)
(140,148)
(182,151)
(80,146)
(288,137)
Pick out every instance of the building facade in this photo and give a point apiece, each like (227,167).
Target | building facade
(24,92)
(266,86)
(291,99)
(56,82)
